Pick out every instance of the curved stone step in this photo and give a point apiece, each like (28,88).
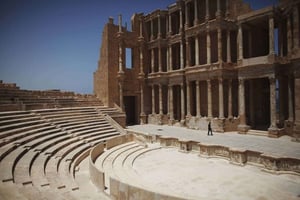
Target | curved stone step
(19,130)
(85,125)
(131,176)
(7,129)
(9,191)
(32,134)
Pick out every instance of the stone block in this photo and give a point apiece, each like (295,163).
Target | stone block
(238,156)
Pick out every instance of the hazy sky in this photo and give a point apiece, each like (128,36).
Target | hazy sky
(54,44)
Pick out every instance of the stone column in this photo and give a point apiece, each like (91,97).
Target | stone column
(230,99)
(280,39)
(153,100)
(242,127)
(271,35)
(120,23)
(121,95)
(171,58)
(208,59)
(219,45)
(188,101)
(170,24)
(290,99)
(141,60)
(152,60)
(289,35)
(141,28)
(206,10)
(142,105)
(221,99)
(121,58)
(273,127)
(198,111)
(159,59)
(187,52)
(209,99)
(186,16)
(228,47)
(196,21)
(180,20)
(171,111)
(160,100)
(167,25)
(242,110)
(181,55)
(218,13)
(227,9)
(296,27)
(197,50)
(152,36)
(240,42)
(168,59)
(182,103)
(159,28)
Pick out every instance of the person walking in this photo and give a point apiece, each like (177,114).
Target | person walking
(209,129)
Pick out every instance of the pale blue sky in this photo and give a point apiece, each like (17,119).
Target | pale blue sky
(54,44)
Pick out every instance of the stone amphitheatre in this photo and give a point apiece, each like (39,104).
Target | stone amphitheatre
(143,133)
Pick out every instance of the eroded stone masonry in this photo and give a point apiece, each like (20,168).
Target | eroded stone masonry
(202,60)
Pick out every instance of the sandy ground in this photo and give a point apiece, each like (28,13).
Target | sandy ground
(187,175)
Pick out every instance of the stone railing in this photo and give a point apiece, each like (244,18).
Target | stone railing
(236,156)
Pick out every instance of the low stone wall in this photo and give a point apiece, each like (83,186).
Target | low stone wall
(218,125)
(231,124)
(118,140)
(96,175)
(235,156)
(158,119)
(124,191)
(120,119)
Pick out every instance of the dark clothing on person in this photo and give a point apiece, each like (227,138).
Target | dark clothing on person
(209,129)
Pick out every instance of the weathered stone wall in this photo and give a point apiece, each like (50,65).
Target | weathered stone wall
(297,108)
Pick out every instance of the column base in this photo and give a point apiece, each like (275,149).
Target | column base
(288,127)
(160,119)
(296,137)
(182,123)
(296,132)
(171,122)
(273,132)
(218,125)
(143,118)
(243,128)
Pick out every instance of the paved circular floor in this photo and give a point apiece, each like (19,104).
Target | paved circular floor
(187,175)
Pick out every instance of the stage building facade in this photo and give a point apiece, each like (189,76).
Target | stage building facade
(206,60)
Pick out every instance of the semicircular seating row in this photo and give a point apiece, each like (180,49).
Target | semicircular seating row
(117,162)
(40,149)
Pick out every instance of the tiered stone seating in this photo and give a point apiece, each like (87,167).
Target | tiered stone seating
(116,162)
(41,149)
(13,98)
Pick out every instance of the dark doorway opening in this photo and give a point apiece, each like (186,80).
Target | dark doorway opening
(258,103)
(130,109)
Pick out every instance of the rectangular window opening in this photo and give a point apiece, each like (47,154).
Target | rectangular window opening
(129,58)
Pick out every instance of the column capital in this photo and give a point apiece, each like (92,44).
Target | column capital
(241,81)
(272,79)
